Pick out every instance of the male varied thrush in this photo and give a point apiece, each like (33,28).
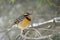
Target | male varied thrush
(23,21)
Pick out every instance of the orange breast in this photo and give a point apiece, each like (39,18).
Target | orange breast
(25,24)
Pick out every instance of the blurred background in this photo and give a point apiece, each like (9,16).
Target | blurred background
(43,12)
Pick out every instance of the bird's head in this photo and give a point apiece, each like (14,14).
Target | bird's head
(26,14)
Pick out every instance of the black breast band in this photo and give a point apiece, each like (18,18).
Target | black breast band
(28,18)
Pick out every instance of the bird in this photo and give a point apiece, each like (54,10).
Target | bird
(23,21)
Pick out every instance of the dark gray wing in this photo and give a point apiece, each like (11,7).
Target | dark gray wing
(19,19)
